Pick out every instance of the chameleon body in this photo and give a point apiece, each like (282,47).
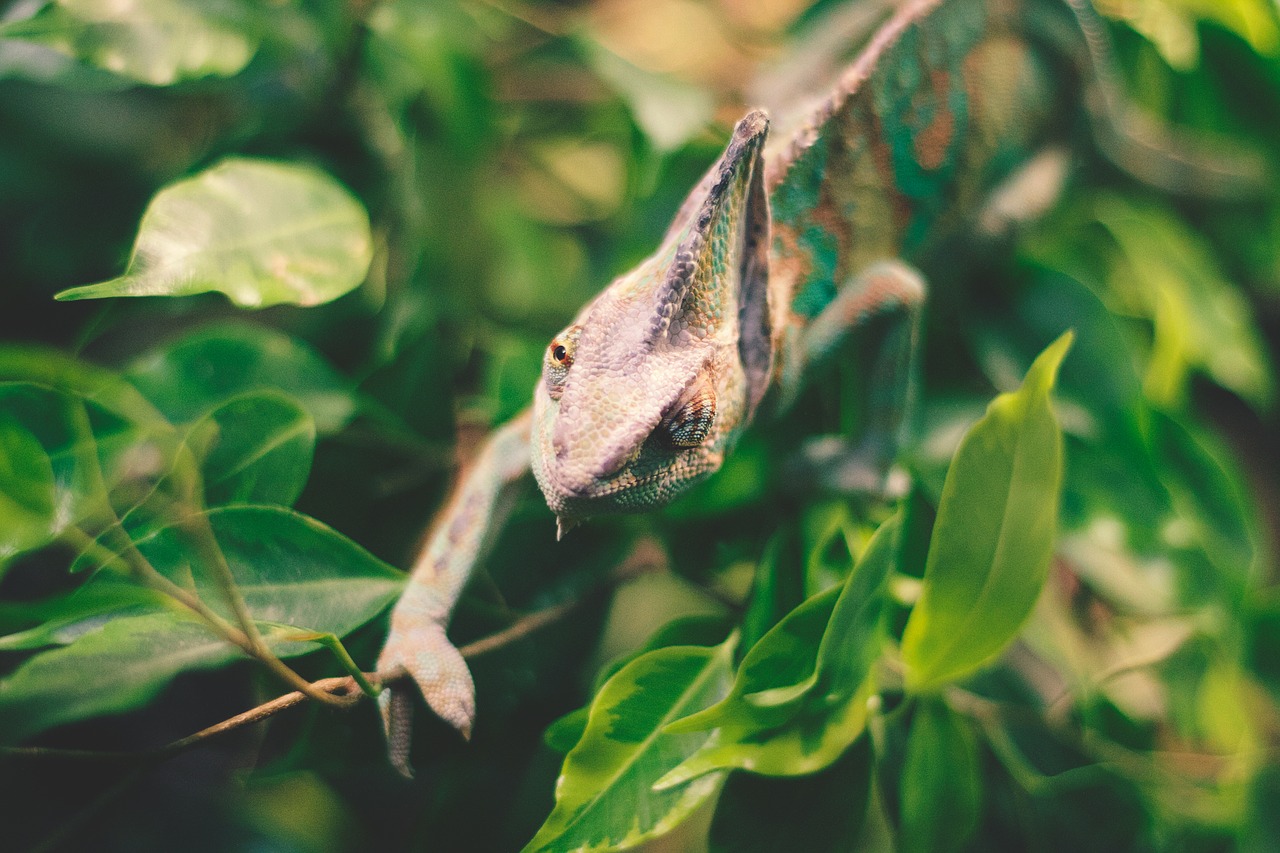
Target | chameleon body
(793,238)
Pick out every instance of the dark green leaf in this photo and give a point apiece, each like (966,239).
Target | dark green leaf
(259,450)
(941,783)
(263,233)
(26,491)
(193,375)
(1208,495)
(994,534)
(65,619)
(60,372)
(605,797)
(564,734)
(291,570)
(116,668)
(778,587)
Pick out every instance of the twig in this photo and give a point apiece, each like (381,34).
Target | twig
(150,576)
(340,685)
(343,690)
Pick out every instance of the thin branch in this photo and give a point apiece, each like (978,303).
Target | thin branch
(152,577)
(344,691)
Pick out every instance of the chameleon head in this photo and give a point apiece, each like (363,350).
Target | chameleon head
(641,396)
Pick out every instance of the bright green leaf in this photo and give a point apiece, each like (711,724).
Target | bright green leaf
(158,42)
(991,544)
(784,661)
(263,233)
(257,450)
(1170,25)
(820,812)
(941,783)
(1201,319)
(605,797)
(26,491)
(191,376)
(800,697)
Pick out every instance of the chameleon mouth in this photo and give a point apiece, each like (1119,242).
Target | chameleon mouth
(626,491)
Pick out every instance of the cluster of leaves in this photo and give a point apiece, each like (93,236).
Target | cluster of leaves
(1061,634)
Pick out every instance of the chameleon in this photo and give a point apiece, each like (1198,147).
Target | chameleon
(952,118)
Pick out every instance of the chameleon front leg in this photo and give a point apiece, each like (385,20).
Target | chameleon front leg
(892,294)
(416,644)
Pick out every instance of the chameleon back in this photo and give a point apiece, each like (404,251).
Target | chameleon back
(947,100)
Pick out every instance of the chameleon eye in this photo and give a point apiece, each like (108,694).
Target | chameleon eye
(690,424)
(559,359)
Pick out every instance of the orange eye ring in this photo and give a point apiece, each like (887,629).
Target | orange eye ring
(560,353)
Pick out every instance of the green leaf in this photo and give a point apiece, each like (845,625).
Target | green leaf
(291,571)
(1201,319)
(188,378)
(96,458)
(1210,498)
(65,619)
(26,491)
(669,111)
(564,734)
(57,371)
(116,668)
(941,783)
(605,797)
(800,697)
(991,544)
(261,232)
(256,450)
(158,42)
(289,568)
(1170,25)
(820,812)
(777,589)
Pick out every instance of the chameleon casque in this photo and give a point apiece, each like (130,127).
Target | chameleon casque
(952,118)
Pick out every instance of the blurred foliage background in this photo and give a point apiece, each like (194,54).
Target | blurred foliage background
(513,157)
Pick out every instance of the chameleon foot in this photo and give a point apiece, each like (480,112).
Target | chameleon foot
(437,668)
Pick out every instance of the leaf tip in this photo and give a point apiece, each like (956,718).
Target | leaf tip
(100,290)
(1044,370)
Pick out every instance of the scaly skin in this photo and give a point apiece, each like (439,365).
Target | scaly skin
(785,246)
